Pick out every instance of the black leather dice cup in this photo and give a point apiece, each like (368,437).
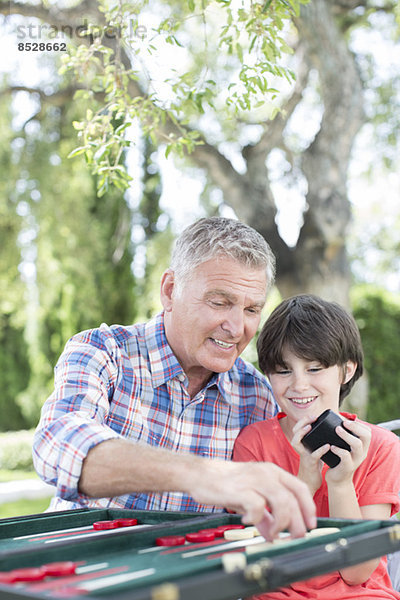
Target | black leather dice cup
(323,432)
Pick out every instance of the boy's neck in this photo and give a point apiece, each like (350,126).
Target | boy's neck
(286,428)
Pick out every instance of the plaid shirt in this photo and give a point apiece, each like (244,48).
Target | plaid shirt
(115,382)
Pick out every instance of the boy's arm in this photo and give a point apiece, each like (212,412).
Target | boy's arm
(343,502)
(357,574)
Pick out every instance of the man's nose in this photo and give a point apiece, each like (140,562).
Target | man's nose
(234,322)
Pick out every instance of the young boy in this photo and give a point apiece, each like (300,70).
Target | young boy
(311,351)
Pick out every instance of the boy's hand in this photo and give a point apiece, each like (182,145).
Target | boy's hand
(310,467)
(350,461)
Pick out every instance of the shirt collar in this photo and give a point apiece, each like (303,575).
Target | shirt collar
(164,365)
(224,384)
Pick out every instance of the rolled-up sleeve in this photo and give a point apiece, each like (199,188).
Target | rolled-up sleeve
(74,418)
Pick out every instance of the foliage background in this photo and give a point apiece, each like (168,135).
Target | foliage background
(378,316)
(71,259)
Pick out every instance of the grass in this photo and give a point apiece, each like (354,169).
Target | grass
(23,507)
(15,475)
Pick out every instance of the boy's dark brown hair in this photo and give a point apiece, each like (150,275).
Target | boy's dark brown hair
(313,329)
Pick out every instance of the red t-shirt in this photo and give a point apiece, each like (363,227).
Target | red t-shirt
(376,481)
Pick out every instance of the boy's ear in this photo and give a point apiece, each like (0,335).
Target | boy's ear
(348,370)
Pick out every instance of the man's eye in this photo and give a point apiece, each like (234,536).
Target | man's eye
(253,311)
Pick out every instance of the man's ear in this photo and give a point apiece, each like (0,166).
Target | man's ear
(166,289)
(348,370)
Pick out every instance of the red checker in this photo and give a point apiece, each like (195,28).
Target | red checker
(171,540)
(103,525)
(127,522)
(59,569)
(28,574)
(226,527)
(198,536)
(7,577)
(214,530)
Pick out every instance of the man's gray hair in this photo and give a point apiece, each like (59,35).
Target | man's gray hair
(210,237)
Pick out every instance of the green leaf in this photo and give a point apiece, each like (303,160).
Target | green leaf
(266,6)
(239,51)
(77,151)
(100,152)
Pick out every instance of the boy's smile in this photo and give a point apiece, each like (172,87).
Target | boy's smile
(303,400)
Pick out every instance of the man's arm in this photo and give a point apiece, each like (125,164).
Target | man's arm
(116,467)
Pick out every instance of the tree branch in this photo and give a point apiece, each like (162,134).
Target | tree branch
(344,6)
(52,15)
(273,130)
(58,98)
(220,170)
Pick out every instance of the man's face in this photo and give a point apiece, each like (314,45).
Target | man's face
(214,316)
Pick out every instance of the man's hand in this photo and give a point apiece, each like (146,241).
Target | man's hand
(117,467)
(252,487)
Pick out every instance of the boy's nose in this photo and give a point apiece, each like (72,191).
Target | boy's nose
(299,382)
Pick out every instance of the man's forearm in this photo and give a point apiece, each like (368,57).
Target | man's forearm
(119,467)
(116,467)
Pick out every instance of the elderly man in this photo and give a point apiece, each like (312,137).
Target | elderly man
(146,416)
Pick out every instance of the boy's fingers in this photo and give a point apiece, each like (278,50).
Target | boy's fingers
(319,452)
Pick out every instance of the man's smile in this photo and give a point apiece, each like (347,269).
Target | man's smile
(222,344)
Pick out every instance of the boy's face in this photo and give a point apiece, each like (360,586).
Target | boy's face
(307,388)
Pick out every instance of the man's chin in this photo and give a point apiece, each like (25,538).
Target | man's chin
(219,365)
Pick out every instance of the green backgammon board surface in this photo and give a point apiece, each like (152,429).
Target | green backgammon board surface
(14,531)
(124,564)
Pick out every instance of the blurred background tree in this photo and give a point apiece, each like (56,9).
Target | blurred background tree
(14,364)
(273,138)
(378,316)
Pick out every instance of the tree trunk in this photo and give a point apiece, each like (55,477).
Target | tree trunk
(319,262)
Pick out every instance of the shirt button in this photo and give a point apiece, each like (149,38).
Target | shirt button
(181,377)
